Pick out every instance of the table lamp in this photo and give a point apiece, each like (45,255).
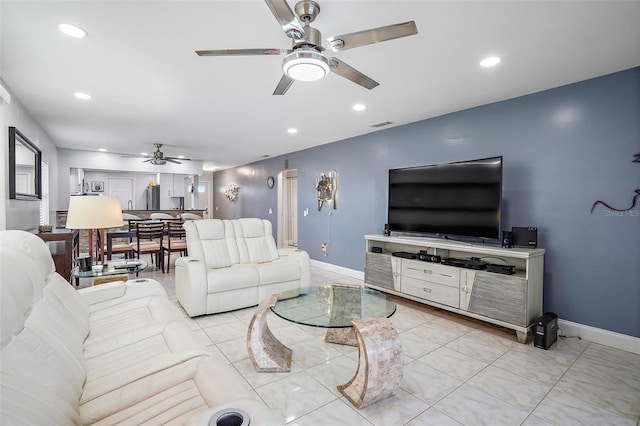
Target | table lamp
(94,212)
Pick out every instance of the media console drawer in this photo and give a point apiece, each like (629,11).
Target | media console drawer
(433,272)
(435,292)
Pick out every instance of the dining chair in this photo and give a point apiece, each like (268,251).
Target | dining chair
(176,240)
(118,246)
(149,240)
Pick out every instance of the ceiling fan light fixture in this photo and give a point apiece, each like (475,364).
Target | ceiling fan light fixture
(306,65)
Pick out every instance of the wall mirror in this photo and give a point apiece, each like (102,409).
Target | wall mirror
(24,167)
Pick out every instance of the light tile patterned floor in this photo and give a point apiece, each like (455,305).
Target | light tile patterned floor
(457,372)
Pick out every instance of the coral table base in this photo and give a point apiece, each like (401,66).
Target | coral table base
(267,353)
(380,367)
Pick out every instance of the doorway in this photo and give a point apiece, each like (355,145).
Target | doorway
(288,208)
(123,188)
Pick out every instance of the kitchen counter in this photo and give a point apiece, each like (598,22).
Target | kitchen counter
(61,215)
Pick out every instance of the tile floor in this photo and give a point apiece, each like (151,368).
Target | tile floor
(457,372)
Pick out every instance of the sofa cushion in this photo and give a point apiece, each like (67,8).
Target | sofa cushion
(19,288)
(31,247)
(131,314)
(254,239)
(137,355)
(30,357)
(232,278)
(167,397)
(26,402)
(278,271)
(212,241)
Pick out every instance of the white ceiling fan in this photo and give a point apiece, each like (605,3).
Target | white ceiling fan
(305,61)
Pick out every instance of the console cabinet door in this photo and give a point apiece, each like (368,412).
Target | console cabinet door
(378,270)
(502,297)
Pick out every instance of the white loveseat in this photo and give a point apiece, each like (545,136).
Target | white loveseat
(235,264)
(118,353)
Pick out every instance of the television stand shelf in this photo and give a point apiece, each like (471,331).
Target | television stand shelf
(511,301)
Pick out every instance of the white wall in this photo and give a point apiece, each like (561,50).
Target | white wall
(23,214)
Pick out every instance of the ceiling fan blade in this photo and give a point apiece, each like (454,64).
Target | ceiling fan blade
(374,35)
(146,161)
(172,160)
(283,85)
(350,73)
(289,22)
(240,52)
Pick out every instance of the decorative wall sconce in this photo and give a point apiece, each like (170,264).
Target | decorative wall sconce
(231,191)
(326,188)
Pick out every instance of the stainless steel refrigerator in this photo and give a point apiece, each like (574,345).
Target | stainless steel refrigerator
(153,197)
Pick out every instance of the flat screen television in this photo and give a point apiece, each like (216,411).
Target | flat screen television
(459,200)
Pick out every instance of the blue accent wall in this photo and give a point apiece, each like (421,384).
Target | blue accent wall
(563,150)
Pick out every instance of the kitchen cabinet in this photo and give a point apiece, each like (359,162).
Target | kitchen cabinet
(176,186)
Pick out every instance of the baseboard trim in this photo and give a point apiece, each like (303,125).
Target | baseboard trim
(600,336)
(359,275)
(592,334)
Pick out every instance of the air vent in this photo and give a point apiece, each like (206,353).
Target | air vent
(381,124)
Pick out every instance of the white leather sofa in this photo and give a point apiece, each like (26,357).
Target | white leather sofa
(235,264)
(118,353)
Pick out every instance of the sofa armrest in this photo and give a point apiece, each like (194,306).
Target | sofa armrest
(191,285)
(104,292)
(259,414)
(303,260)
(119,291)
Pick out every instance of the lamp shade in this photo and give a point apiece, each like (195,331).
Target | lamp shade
(94,212)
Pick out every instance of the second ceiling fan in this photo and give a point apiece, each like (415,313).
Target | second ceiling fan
(305,60)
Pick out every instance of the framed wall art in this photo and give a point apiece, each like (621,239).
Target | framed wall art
(97,186)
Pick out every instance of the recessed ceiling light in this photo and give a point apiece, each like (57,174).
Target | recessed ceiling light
(102,150)
(359,107)
(490,61)
(181,156)
(72,30)
(144,153)
(292,131)
(83,96)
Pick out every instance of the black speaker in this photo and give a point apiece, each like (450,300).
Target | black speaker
(507,239)
(387,232)
(545,331)
(429,257)
(376,249)
(524,236)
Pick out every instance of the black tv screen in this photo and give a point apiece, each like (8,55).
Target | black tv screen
(460,199)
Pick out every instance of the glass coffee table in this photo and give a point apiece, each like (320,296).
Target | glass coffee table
(112,268)
(333,307)
(352,315)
